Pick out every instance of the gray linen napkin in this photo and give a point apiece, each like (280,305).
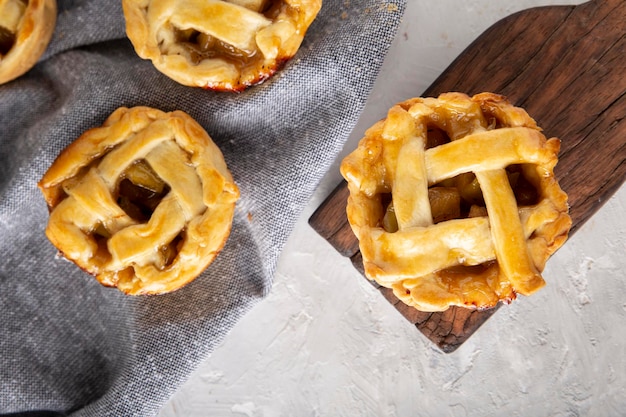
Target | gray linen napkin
(71,346)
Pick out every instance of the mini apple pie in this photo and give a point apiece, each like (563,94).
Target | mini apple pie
(144,203)
(26,27)
(218,44)
(455,203)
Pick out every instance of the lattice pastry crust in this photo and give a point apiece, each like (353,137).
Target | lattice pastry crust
(454,201)
(26,27)
(144,203)
(220,45)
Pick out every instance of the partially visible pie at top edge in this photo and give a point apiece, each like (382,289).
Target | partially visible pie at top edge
(215,44)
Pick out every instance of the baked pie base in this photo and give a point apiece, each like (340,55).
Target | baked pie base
(219,45)
(26,27)
(455,203)
(144,203)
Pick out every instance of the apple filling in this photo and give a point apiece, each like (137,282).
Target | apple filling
(461,197)
(11,13)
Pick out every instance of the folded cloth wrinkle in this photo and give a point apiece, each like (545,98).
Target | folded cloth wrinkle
(73,347)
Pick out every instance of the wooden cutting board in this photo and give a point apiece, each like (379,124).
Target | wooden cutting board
(566,65)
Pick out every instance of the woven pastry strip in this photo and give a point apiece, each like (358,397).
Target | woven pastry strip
(474,261)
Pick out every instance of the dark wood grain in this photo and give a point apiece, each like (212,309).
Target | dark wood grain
(565,65)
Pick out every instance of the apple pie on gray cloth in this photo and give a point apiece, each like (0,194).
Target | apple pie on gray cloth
(218,44)
(144,203)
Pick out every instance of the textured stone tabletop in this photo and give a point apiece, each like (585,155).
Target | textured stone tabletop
(325,343)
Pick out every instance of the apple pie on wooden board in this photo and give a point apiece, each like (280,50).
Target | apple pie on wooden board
(455,203)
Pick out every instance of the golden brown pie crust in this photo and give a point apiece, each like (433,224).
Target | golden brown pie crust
(26,28)
(215,44)
(454,201)
(144,203)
